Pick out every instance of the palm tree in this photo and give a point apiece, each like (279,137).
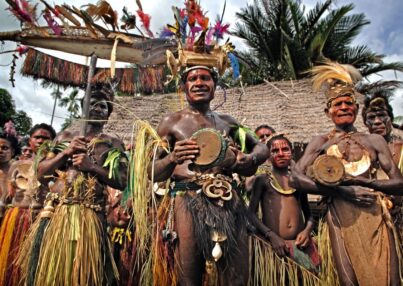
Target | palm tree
(72,103)
(286,41)
(56,94)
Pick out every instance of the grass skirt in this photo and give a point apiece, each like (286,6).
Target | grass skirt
(269,269)
(12,232)
(74,250)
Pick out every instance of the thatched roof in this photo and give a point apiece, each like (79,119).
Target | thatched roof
(288,106)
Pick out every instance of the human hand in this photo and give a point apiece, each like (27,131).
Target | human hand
(242,160)
(184,150)
(82,162)
(277,243)
(303,239)
(359,180)
(358,195)
(77,145)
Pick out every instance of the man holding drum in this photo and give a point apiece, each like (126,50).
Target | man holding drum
(207,217)
(359,225)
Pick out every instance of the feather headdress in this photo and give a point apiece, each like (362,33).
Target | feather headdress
(339,80)
(196,46)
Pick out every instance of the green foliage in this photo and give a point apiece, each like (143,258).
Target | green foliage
(112,161)
(398,120)
(22,121)
(71,102)
(7,106)
(285,40)
(240,136)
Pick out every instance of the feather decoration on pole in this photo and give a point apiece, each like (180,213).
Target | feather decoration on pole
(219,28)
(234,64)
(66,14)
(145,19)
(128,19)
(49,7)
(23,10)
(103,10)
(21,49)
(52,22)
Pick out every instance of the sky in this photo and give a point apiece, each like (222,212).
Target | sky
(384,36)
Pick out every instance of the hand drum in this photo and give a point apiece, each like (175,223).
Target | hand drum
(212,147)
(328,170)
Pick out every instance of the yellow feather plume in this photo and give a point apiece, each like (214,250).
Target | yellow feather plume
(331,73)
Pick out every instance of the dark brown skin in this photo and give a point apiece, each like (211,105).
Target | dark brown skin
(343,112)
(177,129)
(283,215)
(378,121)
(6,153)
(77,153)
(38,138)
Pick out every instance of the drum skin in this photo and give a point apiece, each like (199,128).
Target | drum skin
(212,146)
(328,170)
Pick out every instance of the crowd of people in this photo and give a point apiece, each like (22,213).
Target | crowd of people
(61,202)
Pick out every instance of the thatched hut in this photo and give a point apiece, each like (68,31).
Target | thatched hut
(288,106)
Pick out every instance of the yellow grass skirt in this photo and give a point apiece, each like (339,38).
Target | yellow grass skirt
(75,249)
(269,269)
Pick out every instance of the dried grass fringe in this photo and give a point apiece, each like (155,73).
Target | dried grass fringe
(328,273)
(66,73)
(146,145)
(269,269)
(25,252)
(72,249)
(164,273)
(6,235)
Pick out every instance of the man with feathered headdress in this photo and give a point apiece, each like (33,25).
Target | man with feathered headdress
(340,165)
(204,216)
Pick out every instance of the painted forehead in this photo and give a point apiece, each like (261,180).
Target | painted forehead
(280,143)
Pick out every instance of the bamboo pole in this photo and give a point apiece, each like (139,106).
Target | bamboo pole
(87,97)
(54,106)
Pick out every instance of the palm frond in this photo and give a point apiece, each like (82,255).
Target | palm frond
(382,87)
(325,29)
(312,19)
(373,69)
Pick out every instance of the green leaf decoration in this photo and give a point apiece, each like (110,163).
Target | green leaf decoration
(115,155)
(240,136)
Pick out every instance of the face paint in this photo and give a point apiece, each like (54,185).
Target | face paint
(6,151)
(199,86)
(38,138)
(280,153)
(378,122)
